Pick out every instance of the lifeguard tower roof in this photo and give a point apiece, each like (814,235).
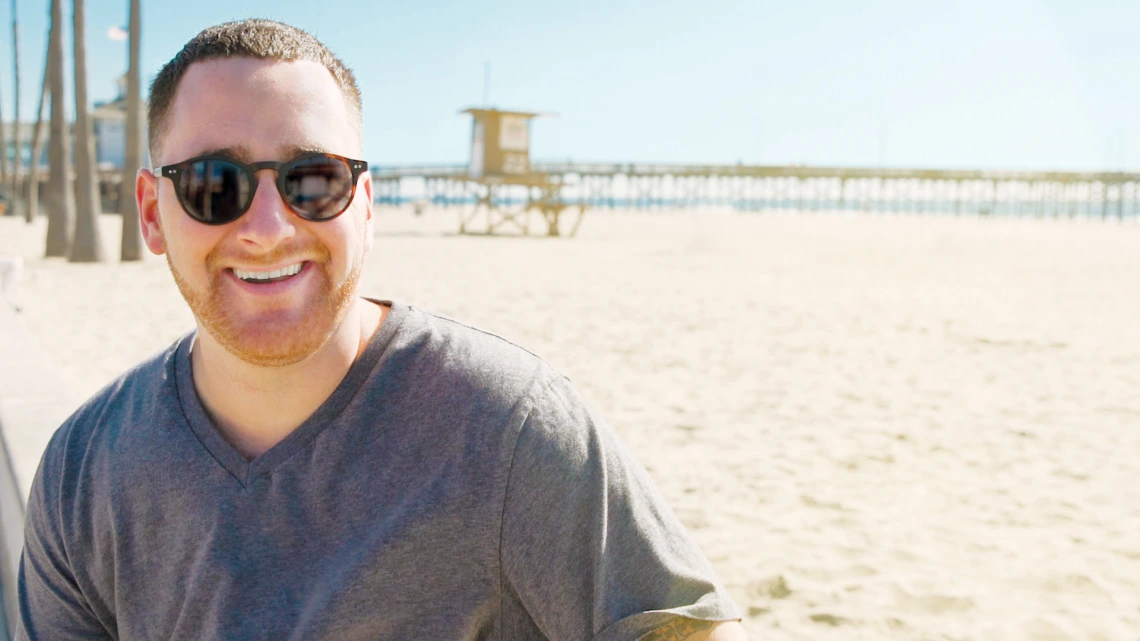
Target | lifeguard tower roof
(479,111)
(500,143)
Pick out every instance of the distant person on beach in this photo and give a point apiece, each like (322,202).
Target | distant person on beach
(310,464)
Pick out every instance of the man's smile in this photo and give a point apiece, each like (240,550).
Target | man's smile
(270,275)
(278,280)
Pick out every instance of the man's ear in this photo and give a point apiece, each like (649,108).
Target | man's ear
(146,195)
(368,225)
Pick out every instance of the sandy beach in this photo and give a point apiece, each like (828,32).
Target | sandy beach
(877,427)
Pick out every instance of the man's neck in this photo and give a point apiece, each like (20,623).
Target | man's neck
(256,407)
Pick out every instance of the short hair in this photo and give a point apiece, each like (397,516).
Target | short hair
(253,38)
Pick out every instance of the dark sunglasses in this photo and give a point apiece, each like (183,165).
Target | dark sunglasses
(216,190)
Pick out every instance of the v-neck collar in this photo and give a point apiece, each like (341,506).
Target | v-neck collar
(246,471)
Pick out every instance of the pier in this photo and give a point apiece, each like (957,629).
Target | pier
(800,188)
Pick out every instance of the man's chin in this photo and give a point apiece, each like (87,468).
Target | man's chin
(273,342)
(270,355)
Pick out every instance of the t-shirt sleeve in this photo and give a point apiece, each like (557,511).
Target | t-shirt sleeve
(51,604)
(590,549)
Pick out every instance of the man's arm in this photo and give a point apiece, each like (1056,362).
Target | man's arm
(51,604)
(590,549)
(682,629)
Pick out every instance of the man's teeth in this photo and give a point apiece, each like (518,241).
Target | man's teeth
(277,273)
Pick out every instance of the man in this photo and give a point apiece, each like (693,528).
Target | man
(310,464)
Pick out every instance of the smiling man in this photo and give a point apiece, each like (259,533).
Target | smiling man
(310,464)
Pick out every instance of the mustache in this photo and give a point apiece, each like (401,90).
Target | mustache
(311,250)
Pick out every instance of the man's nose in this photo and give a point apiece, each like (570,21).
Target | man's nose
(269,222)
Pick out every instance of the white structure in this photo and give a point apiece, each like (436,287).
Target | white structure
(109,123)
(11,270)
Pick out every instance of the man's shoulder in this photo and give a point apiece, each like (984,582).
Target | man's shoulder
(135,397)
(447,354)
(467,349)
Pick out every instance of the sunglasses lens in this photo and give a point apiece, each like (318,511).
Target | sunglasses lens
(317,187)
(214,191)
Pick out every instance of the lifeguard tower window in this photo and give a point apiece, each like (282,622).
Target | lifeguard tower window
(500,143)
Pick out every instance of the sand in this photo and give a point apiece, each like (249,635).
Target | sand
(876,427)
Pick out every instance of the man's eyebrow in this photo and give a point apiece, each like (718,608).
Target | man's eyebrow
(292,151)
(238,152)
(242,153)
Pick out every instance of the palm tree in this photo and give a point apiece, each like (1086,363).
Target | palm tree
(61,197)
(132,237)
(14,188)
(87,246)
(32,185)
(4,157)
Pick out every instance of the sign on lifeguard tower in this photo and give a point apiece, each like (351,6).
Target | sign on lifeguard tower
(500,144)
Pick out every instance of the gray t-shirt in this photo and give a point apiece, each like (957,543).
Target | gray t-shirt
(453,487)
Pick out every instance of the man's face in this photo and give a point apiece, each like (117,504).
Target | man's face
(257,110)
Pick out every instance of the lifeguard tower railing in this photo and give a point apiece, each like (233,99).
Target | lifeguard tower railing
(803,188)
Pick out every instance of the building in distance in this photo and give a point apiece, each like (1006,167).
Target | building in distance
(109,126)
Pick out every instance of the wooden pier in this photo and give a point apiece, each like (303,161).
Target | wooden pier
(800,188)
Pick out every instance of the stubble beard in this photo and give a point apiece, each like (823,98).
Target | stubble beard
(273,347)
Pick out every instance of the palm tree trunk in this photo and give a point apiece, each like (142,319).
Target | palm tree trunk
(87,247)
(32,185)
(4,175)
(61,203)
(14,189)
(128,207)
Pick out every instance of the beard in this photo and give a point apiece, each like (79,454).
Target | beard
(269,341)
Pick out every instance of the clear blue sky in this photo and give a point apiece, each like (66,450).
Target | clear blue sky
(977,83)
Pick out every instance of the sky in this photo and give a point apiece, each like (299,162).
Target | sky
(987,84)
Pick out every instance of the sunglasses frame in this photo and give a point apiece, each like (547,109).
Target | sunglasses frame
(174,173)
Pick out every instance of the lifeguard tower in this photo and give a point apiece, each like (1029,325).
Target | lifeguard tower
(508,190)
